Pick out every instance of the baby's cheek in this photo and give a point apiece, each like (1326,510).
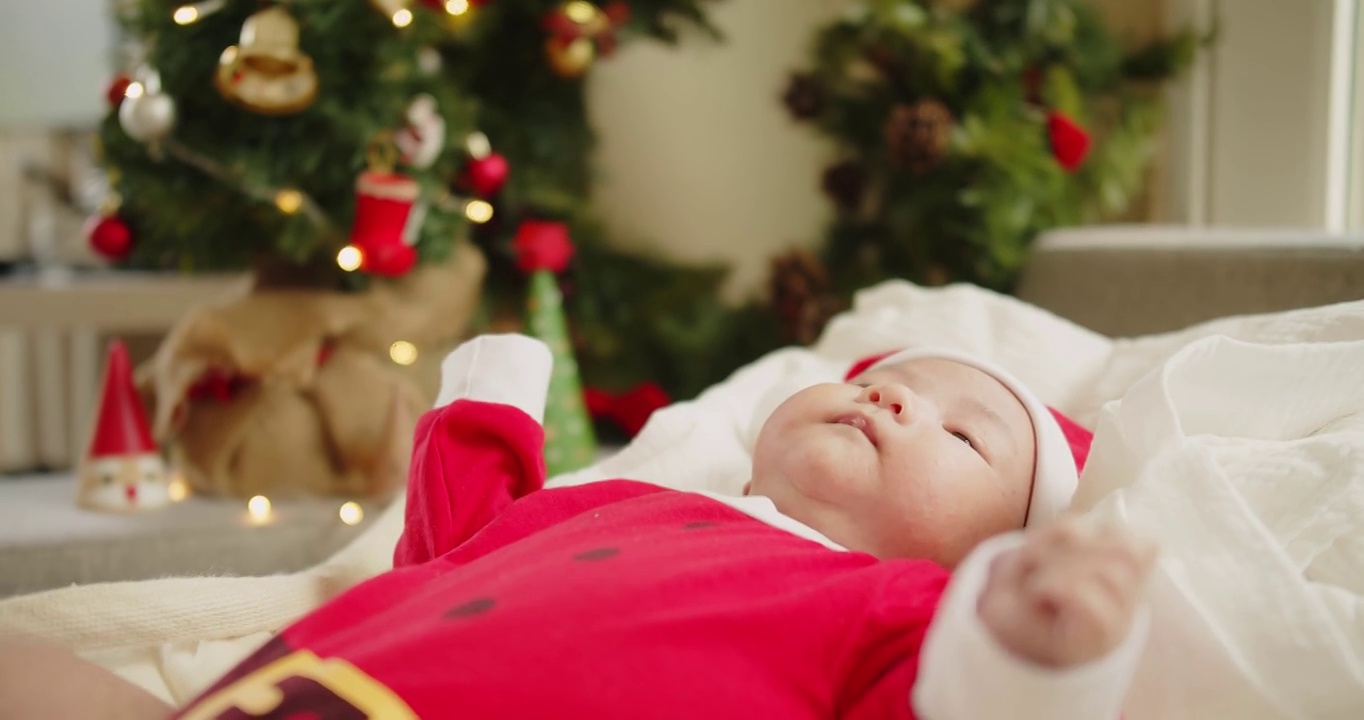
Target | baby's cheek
(815,456)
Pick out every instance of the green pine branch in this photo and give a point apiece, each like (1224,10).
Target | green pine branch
(1001,68)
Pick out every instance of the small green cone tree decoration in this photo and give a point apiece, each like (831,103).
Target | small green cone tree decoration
(543,250)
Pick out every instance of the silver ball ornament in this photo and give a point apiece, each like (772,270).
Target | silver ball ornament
(147,117)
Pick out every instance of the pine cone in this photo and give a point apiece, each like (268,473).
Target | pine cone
(801,296)
(844,183)
(918,134)
(804,97)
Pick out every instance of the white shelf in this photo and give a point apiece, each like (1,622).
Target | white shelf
(47,541)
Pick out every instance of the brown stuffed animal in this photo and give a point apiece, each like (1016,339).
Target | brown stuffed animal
(290,392)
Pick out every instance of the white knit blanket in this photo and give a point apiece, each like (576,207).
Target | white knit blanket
(1239,444)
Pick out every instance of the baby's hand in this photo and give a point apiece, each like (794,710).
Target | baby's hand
(1068,596)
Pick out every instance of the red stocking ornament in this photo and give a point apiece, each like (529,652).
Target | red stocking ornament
(384,207)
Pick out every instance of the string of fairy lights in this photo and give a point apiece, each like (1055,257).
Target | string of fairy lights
(260,511)
(399,12)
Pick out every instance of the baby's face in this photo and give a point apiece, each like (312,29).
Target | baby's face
(924,459)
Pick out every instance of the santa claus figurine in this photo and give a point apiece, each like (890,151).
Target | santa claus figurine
(423,138)
(122,472)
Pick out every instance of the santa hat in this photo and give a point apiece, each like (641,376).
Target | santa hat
(121,427)
(1062,444)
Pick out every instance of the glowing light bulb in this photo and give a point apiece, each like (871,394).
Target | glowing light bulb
(135,90)
(479,211)
(289,201)
(456,7)
(580,12)
(350,258)
(402,352)
(402,18)
(351,513)
(177,490)
(478,145)
(190,14)
(258,508)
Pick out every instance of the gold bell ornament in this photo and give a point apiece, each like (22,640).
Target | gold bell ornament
(570,58)
(266,72)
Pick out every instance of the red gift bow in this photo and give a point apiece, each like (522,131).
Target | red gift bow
(629,410)
(223,385)
(215,384)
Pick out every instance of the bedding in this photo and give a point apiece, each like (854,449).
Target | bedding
(1238,443)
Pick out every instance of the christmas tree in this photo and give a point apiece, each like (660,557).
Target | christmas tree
(966,128)
(335,142)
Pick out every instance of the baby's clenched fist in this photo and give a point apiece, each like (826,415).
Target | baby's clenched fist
(1069,595)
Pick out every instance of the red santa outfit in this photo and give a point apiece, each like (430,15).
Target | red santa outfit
(623,599)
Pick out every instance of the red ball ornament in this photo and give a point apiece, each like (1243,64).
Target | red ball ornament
(486,175)
(109,236)
(388,259)
(1069,142)
(542,245)
(117,90)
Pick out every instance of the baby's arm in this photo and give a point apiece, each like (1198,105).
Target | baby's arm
(1044,624)
(481,448)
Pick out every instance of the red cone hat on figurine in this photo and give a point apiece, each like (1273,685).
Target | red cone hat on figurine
(121,426)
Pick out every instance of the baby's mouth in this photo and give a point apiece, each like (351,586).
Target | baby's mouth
(860,423)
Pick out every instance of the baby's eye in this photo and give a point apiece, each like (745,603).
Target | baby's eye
(964,438)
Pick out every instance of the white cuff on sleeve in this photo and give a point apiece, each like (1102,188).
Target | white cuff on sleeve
(506,369)
(965,673)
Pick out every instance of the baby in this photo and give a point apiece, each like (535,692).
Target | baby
(871,570)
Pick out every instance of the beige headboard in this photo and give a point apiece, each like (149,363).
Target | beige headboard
(1134,280)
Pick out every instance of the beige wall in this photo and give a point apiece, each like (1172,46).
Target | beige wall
(1256,141)
(1356,197)
(701,161)
(1269,98)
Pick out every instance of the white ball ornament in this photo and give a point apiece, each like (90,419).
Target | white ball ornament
(147,113)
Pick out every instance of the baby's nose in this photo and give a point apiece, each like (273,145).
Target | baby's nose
(890,396)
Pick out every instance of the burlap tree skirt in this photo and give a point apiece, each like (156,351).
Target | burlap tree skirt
(289,392)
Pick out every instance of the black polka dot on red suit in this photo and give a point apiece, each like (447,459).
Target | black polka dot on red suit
(698,525)
(477,606)
(597,554)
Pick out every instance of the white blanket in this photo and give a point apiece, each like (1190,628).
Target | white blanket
(1238,443)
